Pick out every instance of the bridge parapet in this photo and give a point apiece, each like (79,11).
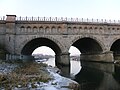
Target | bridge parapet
(65,19)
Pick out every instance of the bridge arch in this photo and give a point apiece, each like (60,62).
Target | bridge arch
(43,41)
(88,44)
(115,45)
(35,43)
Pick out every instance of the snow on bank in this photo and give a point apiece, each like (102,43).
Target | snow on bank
(59,82)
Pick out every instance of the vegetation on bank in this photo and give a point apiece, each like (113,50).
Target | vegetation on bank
(23,75)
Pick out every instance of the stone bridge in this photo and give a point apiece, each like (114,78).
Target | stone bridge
(97,40)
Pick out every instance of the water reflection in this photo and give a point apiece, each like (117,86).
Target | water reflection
(105,76)
(97,79)
(89,79)
(75,65)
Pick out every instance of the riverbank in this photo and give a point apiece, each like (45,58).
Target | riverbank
(19,76)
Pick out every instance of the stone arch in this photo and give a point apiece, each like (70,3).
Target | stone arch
(90,28)
(96,28)
(85,28)
(29,29)
(75,29)
(53,30)
(69,30)
(115,48)
(47,29)
(100,43)
(35,29)
(113,41)
(21,46)
(41,30)
(118,28)
(59,29)
(80,28)
(22,28)
(100,28)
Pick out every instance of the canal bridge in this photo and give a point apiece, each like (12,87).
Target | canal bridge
(97,40)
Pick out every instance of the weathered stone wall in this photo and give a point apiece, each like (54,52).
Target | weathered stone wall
(15,34)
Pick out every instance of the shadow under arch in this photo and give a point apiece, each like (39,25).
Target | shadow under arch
(87,45)
(90,47)
(115,47)
(99,42)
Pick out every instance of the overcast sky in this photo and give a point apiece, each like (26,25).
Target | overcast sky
(101,9)
(97,9)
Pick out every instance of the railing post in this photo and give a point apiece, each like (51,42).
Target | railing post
(92,19)
(20,18)
(61,18)
(71,19)
(97,20)
(102,20)
(110,21)
(77,19)
(114,21)
(82,19)
(87,19)
(32,18)
(56,18)
(38,18)
(44,18)
(26,18)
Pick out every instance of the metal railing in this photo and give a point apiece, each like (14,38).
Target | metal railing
(2,18)
(63,19)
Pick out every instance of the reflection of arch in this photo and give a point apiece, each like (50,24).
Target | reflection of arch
(97,44)
(21,46)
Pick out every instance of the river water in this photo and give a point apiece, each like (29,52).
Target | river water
(75,65)
(94,79)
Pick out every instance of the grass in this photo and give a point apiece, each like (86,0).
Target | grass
(24,74)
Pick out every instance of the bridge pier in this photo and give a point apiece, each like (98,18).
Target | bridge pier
(98,57)
(63,63)
(102,61)
(116,56)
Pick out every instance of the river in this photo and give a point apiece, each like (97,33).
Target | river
(94,79)
(75,65)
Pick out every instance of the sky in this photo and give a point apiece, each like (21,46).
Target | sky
(48,51)
(96,9)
